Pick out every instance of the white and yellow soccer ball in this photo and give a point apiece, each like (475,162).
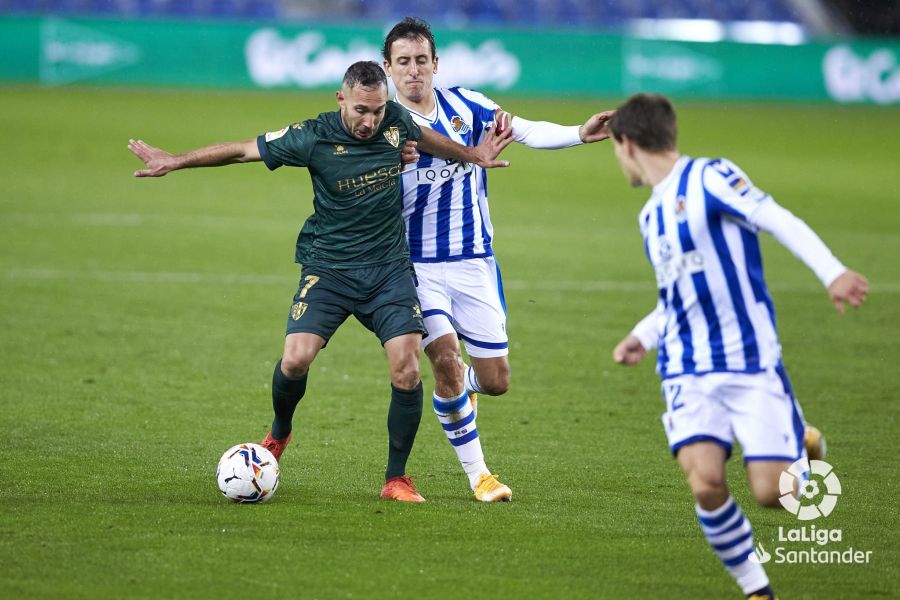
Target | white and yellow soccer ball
(248,473)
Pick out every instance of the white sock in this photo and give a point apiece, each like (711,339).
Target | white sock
(729,533)
(458,421)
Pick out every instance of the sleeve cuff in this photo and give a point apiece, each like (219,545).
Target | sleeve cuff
(265,154)
(832,273)
(646,331)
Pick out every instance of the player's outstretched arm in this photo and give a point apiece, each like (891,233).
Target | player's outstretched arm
(484,154)
(849,287)
(544,135)
(159,162)
(630,351)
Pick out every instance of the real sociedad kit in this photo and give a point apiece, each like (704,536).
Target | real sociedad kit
(718,352)
(449,230)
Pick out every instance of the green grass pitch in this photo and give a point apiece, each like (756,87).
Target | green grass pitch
(140,320)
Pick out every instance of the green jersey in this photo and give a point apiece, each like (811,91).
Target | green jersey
(357,219)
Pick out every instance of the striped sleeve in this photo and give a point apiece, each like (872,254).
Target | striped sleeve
(729,191)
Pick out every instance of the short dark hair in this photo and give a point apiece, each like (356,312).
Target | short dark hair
(366,73)
(409,28)
(648,120)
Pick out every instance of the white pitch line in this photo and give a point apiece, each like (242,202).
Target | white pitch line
(542,285)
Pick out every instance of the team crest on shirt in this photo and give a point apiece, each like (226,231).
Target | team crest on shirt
(297,125)
(680,213)
(339,149)
(392,134)
(459,126)
(298,309)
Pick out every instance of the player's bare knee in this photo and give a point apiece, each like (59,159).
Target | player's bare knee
(295,362)
(710,495)
(405,375)
(708,487)
(766,495)
(493,375)
(448,366)
(496,385)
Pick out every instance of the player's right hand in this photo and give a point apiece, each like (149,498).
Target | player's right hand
(850,287)
(410,153)
(159,162)
(629,351)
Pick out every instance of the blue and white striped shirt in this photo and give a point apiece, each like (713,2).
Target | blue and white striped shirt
(444,201)
(714,312)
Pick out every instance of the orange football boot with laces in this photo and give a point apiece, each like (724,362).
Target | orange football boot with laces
(401,488)
(276,447)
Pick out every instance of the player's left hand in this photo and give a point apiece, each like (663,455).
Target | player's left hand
(850,287)
(490,147)
(410,153)
(596,129)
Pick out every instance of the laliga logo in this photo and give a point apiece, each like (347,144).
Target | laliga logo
(760,557)
(809,489)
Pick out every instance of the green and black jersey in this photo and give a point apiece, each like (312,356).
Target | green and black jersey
(357,219)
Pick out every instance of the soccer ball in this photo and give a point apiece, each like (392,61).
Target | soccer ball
(248,473)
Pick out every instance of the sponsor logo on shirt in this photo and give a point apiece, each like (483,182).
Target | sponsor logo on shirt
(371,182)
(440,172)
(671,269)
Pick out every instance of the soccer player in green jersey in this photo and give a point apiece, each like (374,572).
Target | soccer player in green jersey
(353,247)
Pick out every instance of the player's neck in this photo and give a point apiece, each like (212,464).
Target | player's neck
(657,166)
(424,107)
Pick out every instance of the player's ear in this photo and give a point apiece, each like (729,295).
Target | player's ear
(435,65)
(339,96)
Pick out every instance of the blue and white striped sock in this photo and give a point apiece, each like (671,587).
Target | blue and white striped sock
(458,421)
(729,533)
(472,381)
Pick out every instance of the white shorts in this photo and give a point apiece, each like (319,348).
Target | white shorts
(758,410)
(464,297)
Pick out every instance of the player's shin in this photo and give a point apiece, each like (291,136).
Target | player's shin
(286,394)
(458,421)
(404,417)
(729,533)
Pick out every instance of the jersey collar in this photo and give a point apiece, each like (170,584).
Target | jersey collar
(431,117)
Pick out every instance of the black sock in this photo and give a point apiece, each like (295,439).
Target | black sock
(286,394)
(403,423)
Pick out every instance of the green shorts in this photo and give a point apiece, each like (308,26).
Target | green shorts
(381,297)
